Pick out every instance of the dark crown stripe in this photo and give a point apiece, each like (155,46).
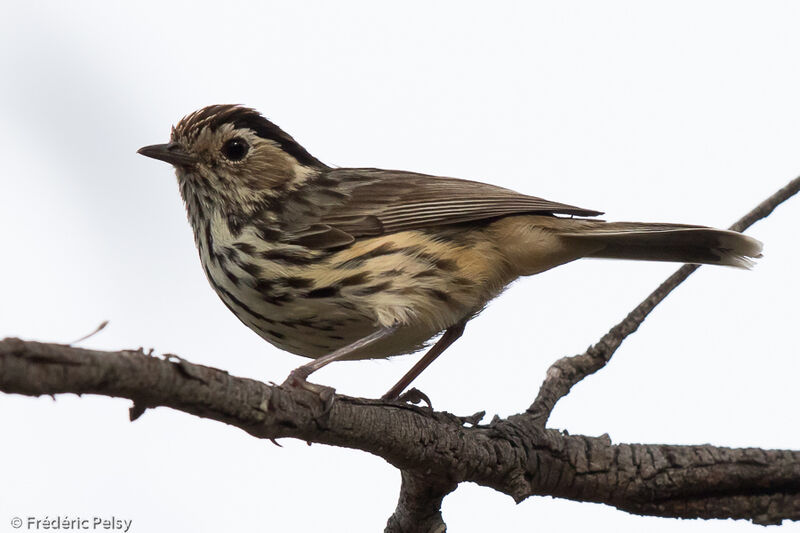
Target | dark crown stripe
(243,117)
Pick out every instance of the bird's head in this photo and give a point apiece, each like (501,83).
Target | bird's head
(231,158)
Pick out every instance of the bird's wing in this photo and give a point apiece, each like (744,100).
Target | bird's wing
(373,202)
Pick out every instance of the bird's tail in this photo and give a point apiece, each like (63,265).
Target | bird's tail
(662,242)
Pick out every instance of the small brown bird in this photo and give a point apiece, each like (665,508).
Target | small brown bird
(353,263)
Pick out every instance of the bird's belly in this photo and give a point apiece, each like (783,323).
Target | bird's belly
(314,304)
(289,319)
(314,326)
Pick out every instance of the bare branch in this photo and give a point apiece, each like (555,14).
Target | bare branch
(434,450)
(568,371)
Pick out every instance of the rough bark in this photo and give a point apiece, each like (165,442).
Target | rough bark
(435,451)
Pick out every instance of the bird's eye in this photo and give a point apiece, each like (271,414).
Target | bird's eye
(235,149)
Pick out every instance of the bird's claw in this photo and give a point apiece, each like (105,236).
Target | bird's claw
(297,380)
(412,395)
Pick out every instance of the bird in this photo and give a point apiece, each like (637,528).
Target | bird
(358,263)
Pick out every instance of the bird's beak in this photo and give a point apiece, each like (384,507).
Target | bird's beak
(172,153)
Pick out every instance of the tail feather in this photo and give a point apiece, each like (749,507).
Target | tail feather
(666,242)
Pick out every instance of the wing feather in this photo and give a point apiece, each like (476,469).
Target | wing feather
(387,201)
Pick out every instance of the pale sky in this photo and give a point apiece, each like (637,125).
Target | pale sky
(667,112)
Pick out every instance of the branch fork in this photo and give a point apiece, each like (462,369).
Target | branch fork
(435,451)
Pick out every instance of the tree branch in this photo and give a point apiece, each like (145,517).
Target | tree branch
(419,506)
(436,451)
(568,371)
(512,455)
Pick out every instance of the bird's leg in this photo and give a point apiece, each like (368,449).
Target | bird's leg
(297,377)
(450,336)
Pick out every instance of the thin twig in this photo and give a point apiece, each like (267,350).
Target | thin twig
(96,330)
(568,371)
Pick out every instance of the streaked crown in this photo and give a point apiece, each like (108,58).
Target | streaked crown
(214,117)
(231,158)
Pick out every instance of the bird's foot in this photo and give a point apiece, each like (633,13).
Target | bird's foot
(297,380)
(412,395)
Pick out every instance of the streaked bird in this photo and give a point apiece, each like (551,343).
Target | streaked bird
(353,263)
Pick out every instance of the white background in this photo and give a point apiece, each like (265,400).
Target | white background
(674,112)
